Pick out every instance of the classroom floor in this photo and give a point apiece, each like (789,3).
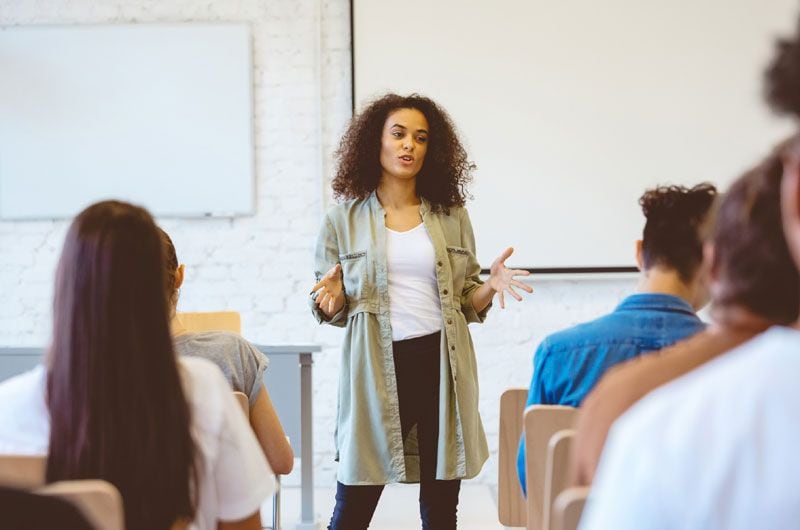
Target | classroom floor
(398,508)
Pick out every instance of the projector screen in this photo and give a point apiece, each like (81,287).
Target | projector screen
(572,109)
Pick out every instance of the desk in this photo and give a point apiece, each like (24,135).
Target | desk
(281,380)
(284,405)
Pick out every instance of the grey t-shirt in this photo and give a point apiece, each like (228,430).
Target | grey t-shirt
(242,364)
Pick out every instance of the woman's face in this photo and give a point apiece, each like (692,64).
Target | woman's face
(404,142)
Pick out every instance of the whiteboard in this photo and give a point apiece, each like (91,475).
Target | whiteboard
(572,108)
(160,115)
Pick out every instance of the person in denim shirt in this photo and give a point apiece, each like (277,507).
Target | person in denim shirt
(673,286)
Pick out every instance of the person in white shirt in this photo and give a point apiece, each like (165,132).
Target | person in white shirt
(713,450)
(717,448)
(114,402)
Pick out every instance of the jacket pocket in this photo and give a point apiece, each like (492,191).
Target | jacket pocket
(354,273)
(458,258)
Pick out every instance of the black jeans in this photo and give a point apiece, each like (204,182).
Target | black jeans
(416,364)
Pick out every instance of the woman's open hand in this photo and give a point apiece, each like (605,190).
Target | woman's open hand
(502,279)
(329,291)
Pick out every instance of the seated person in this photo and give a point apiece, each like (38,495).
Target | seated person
(754,285)
(717,447)
(242,364)
(672,287)
(114,402)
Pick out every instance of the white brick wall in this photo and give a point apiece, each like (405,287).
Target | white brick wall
(261,265)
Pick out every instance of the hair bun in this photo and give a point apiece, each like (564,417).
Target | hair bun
(677,204)
(782,78)
(675,218)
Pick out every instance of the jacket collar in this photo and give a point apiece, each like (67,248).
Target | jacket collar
(375,204)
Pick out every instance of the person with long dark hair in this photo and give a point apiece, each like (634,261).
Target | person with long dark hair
(395,265)
(113,402)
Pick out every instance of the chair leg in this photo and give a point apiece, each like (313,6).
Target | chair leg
(276,506)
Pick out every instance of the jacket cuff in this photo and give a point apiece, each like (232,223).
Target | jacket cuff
(470,314)
(338,320)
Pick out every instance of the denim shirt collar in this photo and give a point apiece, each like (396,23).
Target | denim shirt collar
(663,302)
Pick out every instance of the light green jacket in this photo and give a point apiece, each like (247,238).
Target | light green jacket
(369,444)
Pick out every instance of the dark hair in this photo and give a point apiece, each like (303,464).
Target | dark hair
(170,266)
(751,256)
(446,170)
(117,406)
(782,77)
(673,231)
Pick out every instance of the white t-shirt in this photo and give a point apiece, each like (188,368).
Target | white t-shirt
(414,306)
(240,478)
(716,449)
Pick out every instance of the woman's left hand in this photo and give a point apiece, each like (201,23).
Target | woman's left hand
(502,279)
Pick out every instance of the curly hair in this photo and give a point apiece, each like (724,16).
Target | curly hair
(750,250)
(782,77)
(673,232)
(446,170)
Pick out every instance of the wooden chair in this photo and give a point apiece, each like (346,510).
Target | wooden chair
(194,322)
(557,468)
(510,500)
(22,471)
(23,508)
(541,422)
(244,403)
(98,500)
(568,507)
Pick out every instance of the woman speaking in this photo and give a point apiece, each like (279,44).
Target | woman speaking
(395,265)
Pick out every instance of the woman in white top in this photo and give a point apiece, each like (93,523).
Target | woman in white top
(395,265)
(114,403)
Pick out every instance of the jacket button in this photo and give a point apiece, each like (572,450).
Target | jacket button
(439,263)
(444,292)
(449,321)
(453,347)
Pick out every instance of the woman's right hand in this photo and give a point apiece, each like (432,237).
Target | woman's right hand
(329,291)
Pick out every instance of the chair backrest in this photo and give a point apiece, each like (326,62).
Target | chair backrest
(540,423)
(22,471)
(556,475)
(568,507)
(194,322)
(244,402)
(510,501)
(98,500)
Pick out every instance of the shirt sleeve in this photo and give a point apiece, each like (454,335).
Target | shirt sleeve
(242,475)
(625,494)
(472,280)
(255,364)
(536,396)
(539,392)
(326,257)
